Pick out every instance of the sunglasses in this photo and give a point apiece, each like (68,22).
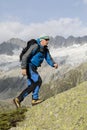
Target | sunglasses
(47,39)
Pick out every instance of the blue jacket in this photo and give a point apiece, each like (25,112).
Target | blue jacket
(37,58)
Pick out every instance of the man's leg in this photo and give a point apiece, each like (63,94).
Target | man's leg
(24,93)
(35,94)
(33,81)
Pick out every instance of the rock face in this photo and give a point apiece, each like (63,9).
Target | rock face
(62,81)
(16,41)
(60,41)
(11,45)
(11,83)
(7,48)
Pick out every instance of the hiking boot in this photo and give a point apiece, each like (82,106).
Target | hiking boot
(16,102)
(36,101)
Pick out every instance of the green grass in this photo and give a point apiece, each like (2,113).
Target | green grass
(10,118)
(65,111)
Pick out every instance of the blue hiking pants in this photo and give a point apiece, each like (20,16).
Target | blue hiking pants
(34,82)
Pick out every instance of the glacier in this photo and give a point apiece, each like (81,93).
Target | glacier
(72,55)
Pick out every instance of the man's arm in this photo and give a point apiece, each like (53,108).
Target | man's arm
(50,60)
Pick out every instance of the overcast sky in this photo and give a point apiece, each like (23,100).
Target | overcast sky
(31,18)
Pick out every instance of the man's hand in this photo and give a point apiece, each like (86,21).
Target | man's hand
(24,72)
(55,66)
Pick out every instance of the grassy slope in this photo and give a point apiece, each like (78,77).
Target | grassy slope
(65,111)
(9,118)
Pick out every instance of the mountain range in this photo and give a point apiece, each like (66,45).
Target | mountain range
(57,42)
(60,41)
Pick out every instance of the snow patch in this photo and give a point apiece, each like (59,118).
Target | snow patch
(74,55)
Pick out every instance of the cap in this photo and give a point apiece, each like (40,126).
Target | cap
(44,37)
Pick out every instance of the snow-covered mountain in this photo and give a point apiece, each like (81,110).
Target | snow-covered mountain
(60,41)
(57,42)
(72,54)
(8,62)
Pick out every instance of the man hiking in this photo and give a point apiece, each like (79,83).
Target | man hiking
(31,60)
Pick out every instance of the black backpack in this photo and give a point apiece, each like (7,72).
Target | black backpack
(29,43)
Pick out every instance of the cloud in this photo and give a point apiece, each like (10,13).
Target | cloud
(62,26)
